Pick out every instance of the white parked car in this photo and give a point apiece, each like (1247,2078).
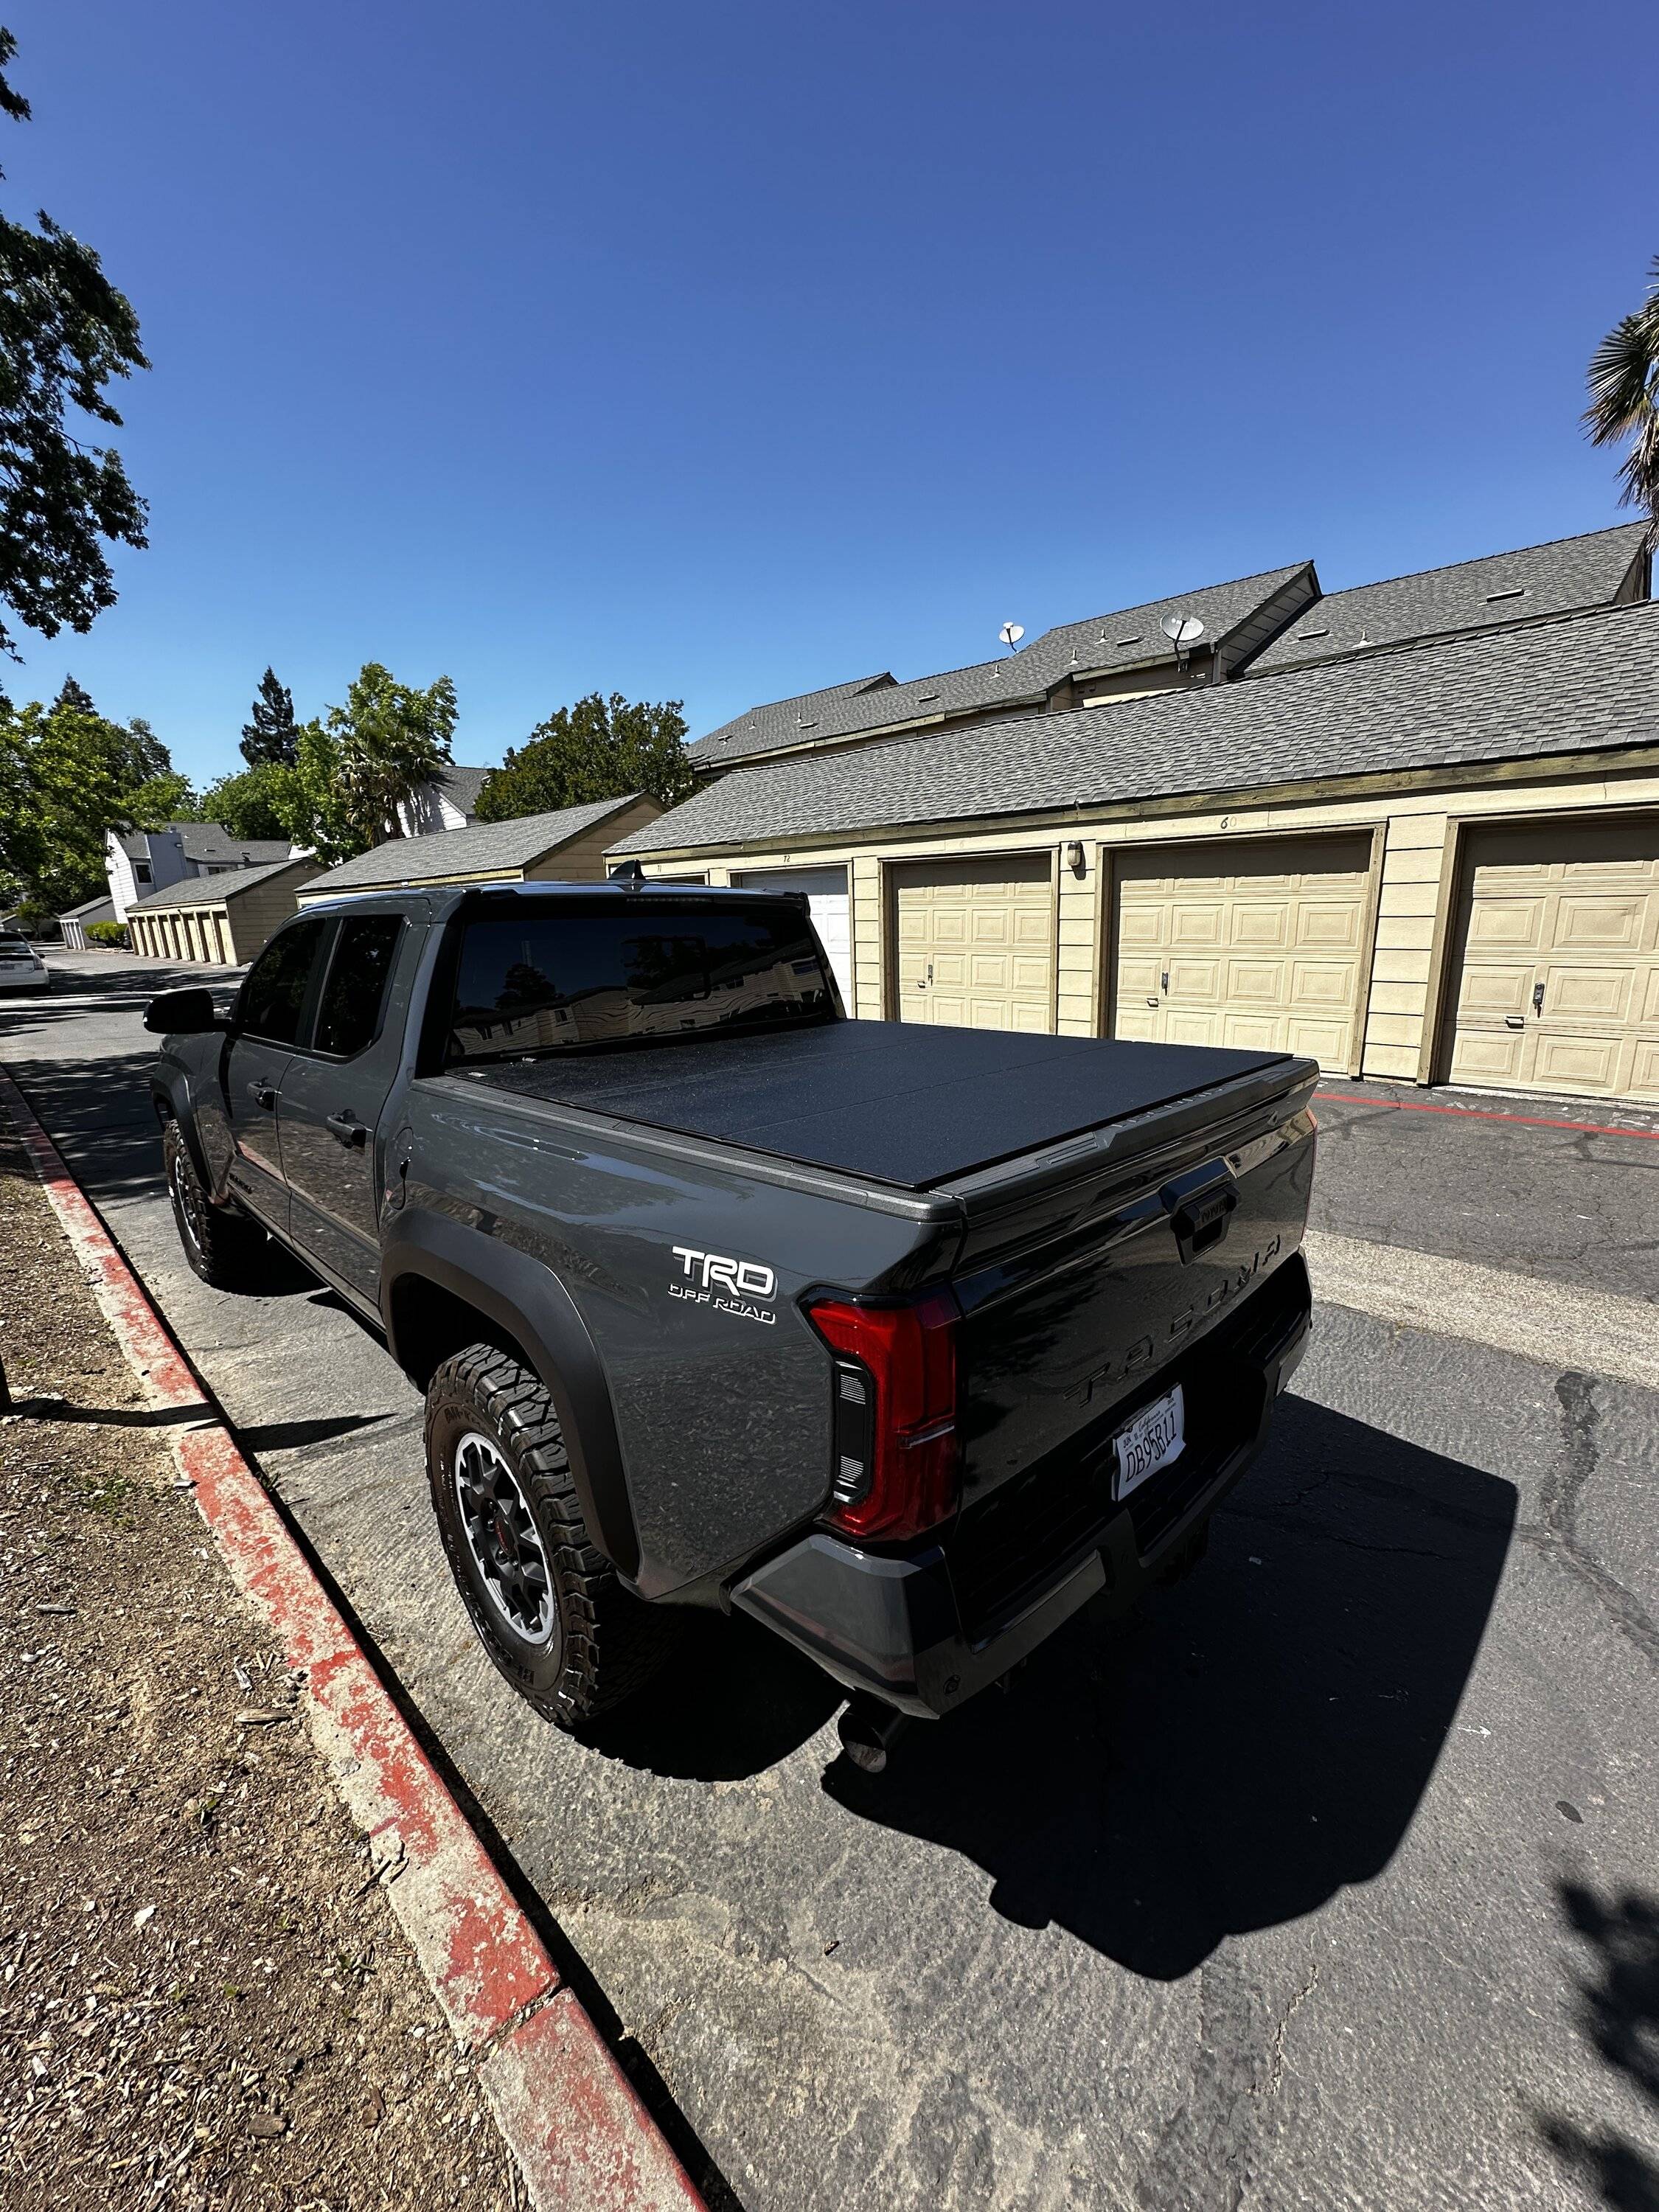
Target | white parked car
(21,968)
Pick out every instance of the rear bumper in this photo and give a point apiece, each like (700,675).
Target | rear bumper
(34,979)
(895,1625)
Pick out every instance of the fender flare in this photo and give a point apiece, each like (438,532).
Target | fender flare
(169,1093)
(527,1300)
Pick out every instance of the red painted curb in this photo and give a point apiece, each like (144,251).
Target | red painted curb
(571,2117)
(1480,1114)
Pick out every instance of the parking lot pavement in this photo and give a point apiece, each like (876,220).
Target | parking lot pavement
(1332,1884)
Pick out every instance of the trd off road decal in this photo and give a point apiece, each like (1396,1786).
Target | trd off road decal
(728,1286)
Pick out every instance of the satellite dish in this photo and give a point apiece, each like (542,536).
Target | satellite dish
(1012,633)
(1182,629)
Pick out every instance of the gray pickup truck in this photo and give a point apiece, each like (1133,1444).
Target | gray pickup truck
(907,1341)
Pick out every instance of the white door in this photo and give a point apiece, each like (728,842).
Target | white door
(827,902)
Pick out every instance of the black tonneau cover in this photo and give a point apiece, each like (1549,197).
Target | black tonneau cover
(890,1102)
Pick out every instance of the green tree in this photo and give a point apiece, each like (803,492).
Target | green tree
(272,736)
(391,739)
(1624,389)
(311,803)
(75,695)
(600,748)
(255,802)
(65,332)
(66,778)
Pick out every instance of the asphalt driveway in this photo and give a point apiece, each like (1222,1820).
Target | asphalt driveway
(1332,1884)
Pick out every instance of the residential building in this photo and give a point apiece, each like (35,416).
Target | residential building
(220,918)
(140,861)
(565,847)
(448,802)
(1413,831)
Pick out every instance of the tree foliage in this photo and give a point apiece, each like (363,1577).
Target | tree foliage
(253,803)
(600,748)
(67,775)
(65,333)
(1624,389)
(388,739)
(272,737)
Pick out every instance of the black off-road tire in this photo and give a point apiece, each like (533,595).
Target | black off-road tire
(600,1643)
(224,1248)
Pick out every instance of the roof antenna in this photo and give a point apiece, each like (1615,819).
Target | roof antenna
(1010,634)
(1184,632)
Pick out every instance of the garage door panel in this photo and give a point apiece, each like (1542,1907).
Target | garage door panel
(1589,994)
(1569,969)
(1600,923)
(1289,913)
(1495,990)
(1254,979)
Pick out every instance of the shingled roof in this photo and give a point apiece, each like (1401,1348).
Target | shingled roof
(1499,589)
(1130,639)
(485,848)
(1579,685)
(214,889)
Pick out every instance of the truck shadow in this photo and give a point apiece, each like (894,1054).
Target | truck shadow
(1259,1740)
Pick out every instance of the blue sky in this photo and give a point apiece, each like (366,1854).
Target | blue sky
(719,352)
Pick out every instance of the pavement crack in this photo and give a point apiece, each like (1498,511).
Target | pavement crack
(1556,1532)
(1276,2058)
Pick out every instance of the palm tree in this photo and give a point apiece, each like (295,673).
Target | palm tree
(1624,388)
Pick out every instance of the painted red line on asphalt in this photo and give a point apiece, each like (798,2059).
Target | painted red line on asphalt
(1482,1113)
(574,2122)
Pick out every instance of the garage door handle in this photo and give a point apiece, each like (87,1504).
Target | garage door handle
(348,1129)
(1538,997)
(263,1094)
(1515,1021)
(1164,985)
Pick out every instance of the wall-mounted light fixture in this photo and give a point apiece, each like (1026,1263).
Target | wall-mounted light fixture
(1074,859)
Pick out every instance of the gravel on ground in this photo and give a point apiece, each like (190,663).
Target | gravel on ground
(204,1999)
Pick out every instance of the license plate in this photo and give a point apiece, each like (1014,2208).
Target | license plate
(1157,1436)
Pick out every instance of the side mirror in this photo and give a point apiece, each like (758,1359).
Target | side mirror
(183,1013)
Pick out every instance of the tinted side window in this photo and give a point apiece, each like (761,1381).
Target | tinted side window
(357,977)
(274,995)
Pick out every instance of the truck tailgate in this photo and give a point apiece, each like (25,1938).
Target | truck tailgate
(1088,1289)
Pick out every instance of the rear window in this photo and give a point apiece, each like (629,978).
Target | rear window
(572,977)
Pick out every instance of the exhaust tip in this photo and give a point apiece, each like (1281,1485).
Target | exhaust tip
(868,1729)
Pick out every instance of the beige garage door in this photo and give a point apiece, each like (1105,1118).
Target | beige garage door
(1255,944)
(1559,975)
(976,943)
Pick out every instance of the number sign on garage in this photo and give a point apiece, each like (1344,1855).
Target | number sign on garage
(1255,944)
(977,942)
(1558,953)
(826,900)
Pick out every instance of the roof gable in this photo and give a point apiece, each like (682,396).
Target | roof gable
(1497,590)
(214,891)
(779,722)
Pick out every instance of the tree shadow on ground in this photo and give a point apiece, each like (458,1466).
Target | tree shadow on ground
(1261,1739)
(1618,2013)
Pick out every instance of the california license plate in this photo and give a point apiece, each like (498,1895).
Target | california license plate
(1157,1436)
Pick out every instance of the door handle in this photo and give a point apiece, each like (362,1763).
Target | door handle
(263,1094)
(1538,997)
(1165,985)
(348,1129)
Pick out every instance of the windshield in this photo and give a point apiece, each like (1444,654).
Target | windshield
(574,976)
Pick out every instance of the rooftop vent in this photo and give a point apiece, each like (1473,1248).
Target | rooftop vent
(1514,592)
(1304,636)
(1137,639)
(922,697)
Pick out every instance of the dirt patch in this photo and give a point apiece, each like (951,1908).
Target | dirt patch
(205,2000)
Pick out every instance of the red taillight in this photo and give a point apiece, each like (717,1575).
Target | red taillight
(895,1415)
